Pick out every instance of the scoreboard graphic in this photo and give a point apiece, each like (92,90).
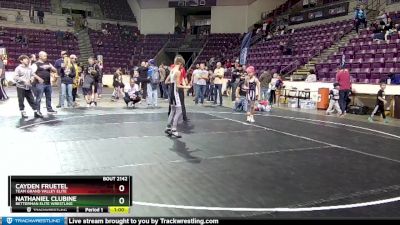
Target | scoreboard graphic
(70,194)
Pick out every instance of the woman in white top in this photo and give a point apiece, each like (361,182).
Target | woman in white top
(272,97)
(311,77)
(175,101)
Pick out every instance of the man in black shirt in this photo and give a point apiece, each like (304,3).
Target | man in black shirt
(143,81)
(42,68)
(236,73)
(90,82)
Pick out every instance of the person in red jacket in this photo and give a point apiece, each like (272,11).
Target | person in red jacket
(344,80)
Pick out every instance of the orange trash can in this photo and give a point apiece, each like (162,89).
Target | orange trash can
(323,98)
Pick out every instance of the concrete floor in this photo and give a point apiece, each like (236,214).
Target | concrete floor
(287,160)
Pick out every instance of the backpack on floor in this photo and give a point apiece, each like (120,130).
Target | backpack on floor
(358,110)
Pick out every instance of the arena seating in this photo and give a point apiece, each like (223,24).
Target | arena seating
(117,10)
(119,51)
(220,46)
(306,41)
(45,5)
(38,40)
(369,61)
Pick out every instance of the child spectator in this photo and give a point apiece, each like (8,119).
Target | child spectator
(380,104)
(334,100)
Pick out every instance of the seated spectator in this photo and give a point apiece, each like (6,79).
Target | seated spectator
(105,31)
(99,43)
(378,31)
(241,100)
(383,17)
(70,22)
(19,17)
(1,42)
(389,28)
(2,31)
(281,46)
(18,38)
(311,77)
(132,94)
(25,41)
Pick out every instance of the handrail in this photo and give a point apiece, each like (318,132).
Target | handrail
(311,54)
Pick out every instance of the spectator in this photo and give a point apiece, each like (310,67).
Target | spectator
(132,94)
(218,80)
(43,68)
(389,29)
(67,75)
(59,37)
(40,15)
(343,78)
(32,14)
(3,94)
(70,22)
(19,18)
(360,17)
(163,87)
(202,77)
(378,32)
(272,87)
(311,76)
(99,43)
(118,85)
(19,38)
(2,31)
(383,17)
(142,80)
(241,100)
(265,80)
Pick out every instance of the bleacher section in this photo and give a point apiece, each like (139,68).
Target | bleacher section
(120,51)
(221,47)
(39,40)
(306,43)
(369,61)
(117,10)
(45,5)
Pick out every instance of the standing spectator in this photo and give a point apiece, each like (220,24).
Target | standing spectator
(40,15)
(143,81)
(67,74)
(43,68)
(272,95)
(90,82)
(194,81)
(360,17)
(218,80)
(265,79)
(58,64)
(202,77)
(235,77)
(32,14)
(59,37)
(23,78)
(343,78)
(100,78)
(210,86)
(163,87)
(118,85)
(3,94)
(153,75)
(76,81)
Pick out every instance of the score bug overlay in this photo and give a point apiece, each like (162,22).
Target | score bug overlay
(75,194)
